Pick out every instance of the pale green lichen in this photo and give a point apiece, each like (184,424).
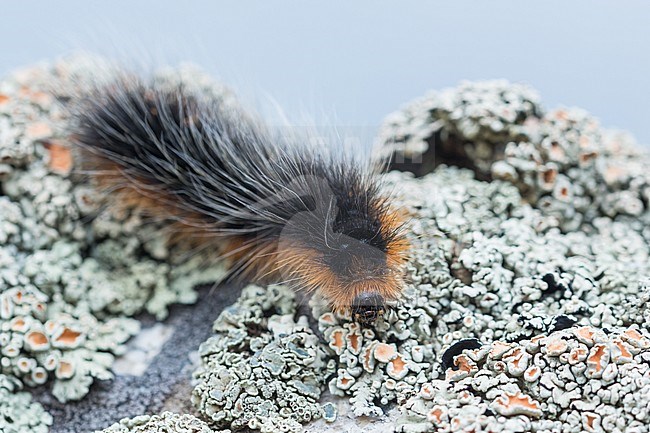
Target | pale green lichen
(166,422)
(18,414)
(470,123)
(43,338)
(264,368)
(504,276)
(579,379)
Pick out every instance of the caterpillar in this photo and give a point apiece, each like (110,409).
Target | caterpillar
(272,208)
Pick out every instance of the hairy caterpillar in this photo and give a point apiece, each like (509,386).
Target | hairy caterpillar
(274,209)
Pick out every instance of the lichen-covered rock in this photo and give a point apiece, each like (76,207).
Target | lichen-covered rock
(166,422)
(264,368)
(571,168)
(18,414)
(579,379)
(468,126)
(562,161)
(43,339)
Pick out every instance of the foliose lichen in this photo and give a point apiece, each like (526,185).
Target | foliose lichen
(579,379)
(18,414)
(264,368)
(467,126)
(166,422)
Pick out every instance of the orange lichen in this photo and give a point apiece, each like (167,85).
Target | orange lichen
(68,337)
(65,370)
(556,346)
(548,177)
(598,357)
(436,414)
(537,338)
(427,391)
(397,368)
(60,157)
(585,334)
(465,367)
(328,319)
(463,363)
(367,358)
(514,357)
(532,373)
(337,341)
(564,192)
(517,404)
(18,324)
(354,342)
(3,98)
(385,352)
(634,337)
(37,340)
(500,366)
(38,131)
(588,421)
(587,156)
(625,355)
(578,354)
(464,397)
(498,349)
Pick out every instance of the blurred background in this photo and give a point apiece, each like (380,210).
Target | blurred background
(352,63)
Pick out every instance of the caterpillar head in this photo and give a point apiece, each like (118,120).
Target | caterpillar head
(355,262)
(368,307)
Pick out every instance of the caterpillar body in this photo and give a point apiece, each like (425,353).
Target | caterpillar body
(273,209)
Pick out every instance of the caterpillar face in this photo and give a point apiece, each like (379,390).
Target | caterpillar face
(356,264)
(368,307)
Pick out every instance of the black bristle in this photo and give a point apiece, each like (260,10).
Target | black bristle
(223,165)
(215,168)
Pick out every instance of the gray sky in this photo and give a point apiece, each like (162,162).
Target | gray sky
(352,63)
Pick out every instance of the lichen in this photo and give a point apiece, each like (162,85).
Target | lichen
(43,338)
(467,126)
(578,379)
(264,368)
(18,414)
(166,422)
